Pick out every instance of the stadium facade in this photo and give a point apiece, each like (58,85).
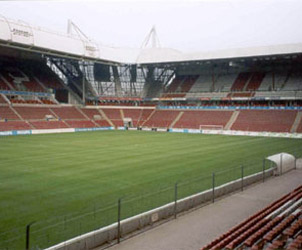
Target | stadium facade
(52,80)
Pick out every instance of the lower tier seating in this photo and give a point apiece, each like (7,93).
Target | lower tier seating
(247,120)
(33,113)
(7,113)
(80,124)
(145,113)
(134,114)
(67,113)
(162,118)
(265,120)
(278,226)
(102,123)
(299,129)
(91,113)
(48,124)
(193,119)
(14,125)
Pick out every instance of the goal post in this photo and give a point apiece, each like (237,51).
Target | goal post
(210,127)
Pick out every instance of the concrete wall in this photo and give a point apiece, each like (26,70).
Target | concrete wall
(107,234)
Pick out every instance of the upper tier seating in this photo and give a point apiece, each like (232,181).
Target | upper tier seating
(208,95)
(162,118)
(267,82)
(193,119)
(48,79)
(68,113)
(265,120)
(188,83)
(202,84)
(7,113)
(33,113)
(7,76)
(255,81)
(3,85)
(48,102)
(241,94)
(294,81)
(240,81)
(224,82)
(277,226)
(175,84)
(48,124)
(14,125)
(33,86)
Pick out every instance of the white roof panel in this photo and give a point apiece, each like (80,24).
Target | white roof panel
(18,32)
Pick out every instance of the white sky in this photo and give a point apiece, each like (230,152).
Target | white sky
(183,25)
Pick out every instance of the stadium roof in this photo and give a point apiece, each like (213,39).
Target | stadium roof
(20,35)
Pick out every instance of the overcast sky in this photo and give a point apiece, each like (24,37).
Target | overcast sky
(183,25)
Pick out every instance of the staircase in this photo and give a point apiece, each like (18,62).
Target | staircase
(232,120)
(176,119)
(296,122)
(148,117)
(105,117)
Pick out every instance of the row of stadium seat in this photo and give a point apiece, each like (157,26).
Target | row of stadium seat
(23,78)
(232,82)
(278,226)
(244,120)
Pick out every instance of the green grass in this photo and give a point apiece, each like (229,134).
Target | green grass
(70,183)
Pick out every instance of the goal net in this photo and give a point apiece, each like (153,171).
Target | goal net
(210,127)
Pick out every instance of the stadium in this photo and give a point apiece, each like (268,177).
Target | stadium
(99,143)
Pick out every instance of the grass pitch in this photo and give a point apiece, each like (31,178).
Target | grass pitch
(70,183)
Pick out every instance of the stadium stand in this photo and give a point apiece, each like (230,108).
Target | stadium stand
(33,113)
(265,120)
(299,128)
(144,116)
(134,114)
(225,81)
(14,125)
(2,100)
(255,81)
(91,113)
(67,113)
(193,119)
(294,82)
(80,124)
(277,226)
(48,124)
(3,85)
(115,116)
(241,81)
(203,84)
(161,119)
(102,123)
(47,78)
(7,113)
(33,86)
(188,83)
(175,84)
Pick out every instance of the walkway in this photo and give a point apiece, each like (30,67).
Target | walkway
(195,229)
